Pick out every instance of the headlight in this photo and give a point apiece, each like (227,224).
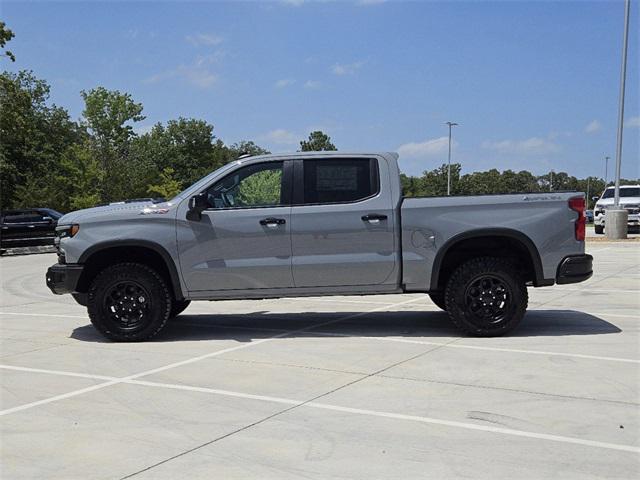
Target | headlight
(64,231)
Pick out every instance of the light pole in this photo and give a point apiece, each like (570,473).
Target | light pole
(451,124)
(606,169)
(623,75)
(616,224)
(551,181)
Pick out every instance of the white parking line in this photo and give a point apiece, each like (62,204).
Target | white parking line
(23,314)
(337,408)
(189,360)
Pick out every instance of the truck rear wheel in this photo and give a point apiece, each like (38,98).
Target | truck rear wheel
(486,297)
(129,302)
(599,229)
(438,299)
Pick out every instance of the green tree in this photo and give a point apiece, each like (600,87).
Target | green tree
(5,36)
(262,188)
(33,137)
(186,145)
(318,141)
(245,147)
(108,116)
(168,187)
(81,177)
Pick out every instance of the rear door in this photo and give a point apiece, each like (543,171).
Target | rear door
(342,223)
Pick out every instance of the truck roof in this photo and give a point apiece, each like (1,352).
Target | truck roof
(323,154)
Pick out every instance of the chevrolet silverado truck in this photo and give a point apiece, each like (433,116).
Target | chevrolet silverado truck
(311,224)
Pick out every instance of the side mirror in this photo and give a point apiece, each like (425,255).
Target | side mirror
(595,199)
(47,219)
(197,204)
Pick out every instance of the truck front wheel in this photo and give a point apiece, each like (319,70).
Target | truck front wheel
(599,229)
(486,297)
(129,302)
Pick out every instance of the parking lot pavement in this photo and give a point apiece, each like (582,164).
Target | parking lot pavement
(334,387)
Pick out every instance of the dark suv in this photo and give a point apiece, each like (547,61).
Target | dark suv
(29,226)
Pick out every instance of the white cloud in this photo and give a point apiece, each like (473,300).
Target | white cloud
(431,147)
(633,122)
(280,136)
(312,84)
(206,39)
(346,68)
(593,126)
(196,75)
(142,129)
(285,82)
(530,146)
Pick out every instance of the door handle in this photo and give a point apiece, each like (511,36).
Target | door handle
(272,222)
(373,218)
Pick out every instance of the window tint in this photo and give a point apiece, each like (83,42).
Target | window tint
(340,180)
(624,192)
(257,185)
(23,217)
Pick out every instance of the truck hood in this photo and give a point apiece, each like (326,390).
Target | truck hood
(110,211)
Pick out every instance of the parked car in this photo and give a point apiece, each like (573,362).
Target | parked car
(317,224)
(629,200)
(27,227)
(589,215)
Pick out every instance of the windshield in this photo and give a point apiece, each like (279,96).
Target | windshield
(624,192)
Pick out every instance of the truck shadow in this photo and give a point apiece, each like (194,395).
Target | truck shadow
(247,327)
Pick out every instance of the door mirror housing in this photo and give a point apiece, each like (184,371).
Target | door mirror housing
(197,204)
(47,219)
(595,199)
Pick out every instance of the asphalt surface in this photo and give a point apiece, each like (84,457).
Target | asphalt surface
(335,387)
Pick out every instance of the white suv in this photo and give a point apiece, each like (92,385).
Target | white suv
(629,200)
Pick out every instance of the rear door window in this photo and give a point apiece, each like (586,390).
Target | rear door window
(339,180)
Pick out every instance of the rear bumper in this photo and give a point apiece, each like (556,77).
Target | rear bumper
(63,278)
(574,269)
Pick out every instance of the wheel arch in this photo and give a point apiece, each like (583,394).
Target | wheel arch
(483,242)
(102,254)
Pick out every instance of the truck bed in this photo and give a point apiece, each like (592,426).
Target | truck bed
(429,224)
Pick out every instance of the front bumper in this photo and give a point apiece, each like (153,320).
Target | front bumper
(62,278)
(574,269)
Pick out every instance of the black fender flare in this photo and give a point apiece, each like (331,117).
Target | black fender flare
(156,247)
(490,232)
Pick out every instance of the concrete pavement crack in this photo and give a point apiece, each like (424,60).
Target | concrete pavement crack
(288,409)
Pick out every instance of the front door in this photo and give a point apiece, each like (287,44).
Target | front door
(243,239)
(342,224)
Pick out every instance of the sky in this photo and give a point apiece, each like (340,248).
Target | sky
(532,85)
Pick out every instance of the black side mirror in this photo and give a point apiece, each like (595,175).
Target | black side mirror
(47,219)
(197,204)
(595,199)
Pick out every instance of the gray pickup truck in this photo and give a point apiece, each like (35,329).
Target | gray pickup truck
(310,224)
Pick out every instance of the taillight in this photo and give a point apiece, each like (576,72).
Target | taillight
(577,204)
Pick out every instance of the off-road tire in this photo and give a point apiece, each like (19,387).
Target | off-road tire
(157,307)
(438,299)
(467,300)
(178,306)
(598,229)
